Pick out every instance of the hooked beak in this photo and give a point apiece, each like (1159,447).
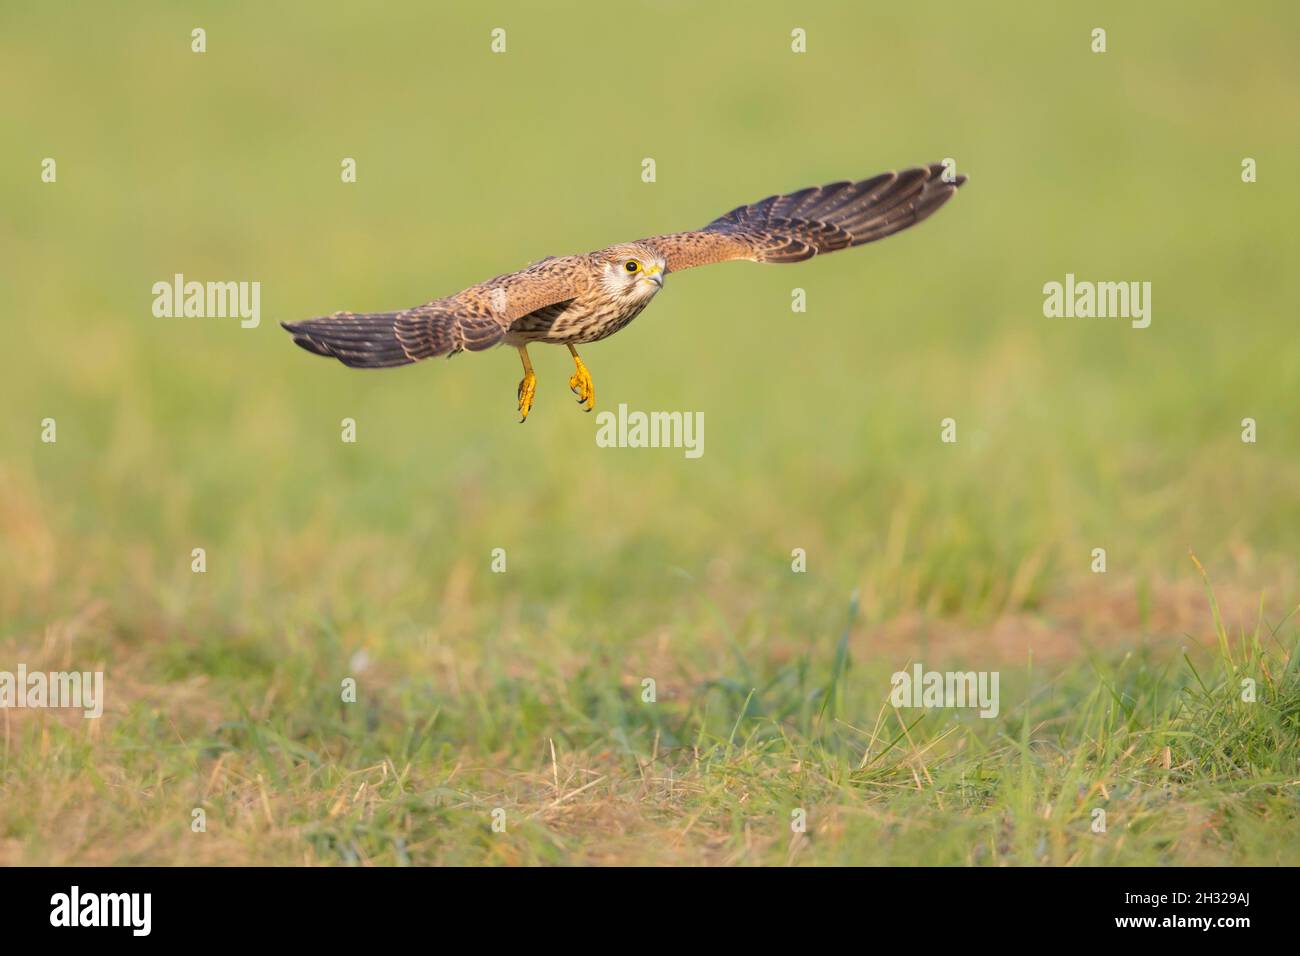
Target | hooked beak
(653,275)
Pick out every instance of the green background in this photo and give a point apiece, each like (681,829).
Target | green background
(822,428)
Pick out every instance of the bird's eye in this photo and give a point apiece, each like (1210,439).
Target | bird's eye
(632,265)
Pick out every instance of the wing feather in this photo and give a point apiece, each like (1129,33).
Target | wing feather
(818,219)
(472,320)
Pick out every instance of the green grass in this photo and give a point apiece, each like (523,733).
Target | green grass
(522,691)
(586,771)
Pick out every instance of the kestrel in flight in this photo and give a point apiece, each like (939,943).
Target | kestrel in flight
(577,299)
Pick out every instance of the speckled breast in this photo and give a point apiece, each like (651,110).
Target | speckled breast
(575,322)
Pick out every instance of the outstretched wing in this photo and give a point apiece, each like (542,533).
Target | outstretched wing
(818,219)
(472,320)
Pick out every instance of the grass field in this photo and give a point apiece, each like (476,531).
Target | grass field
(522,691)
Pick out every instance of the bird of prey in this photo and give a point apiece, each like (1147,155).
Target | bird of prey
(572,300)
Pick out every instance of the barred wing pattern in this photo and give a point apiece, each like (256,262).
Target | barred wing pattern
(818,219)
(787,228)
(471,320)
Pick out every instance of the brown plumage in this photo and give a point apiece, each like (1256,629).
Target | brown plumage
(585,298)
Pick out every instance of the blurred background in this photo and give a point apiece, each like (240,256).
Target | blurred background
(822,428)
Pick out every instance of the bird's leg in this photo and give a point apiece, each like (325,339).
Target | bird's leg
(581,382)
(528,387)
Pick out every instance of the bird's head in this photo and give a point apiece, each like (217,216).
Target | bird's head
(632,270)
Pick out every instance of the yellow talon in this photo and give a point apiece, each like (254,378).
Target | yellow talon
(581,383)
(527,387)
